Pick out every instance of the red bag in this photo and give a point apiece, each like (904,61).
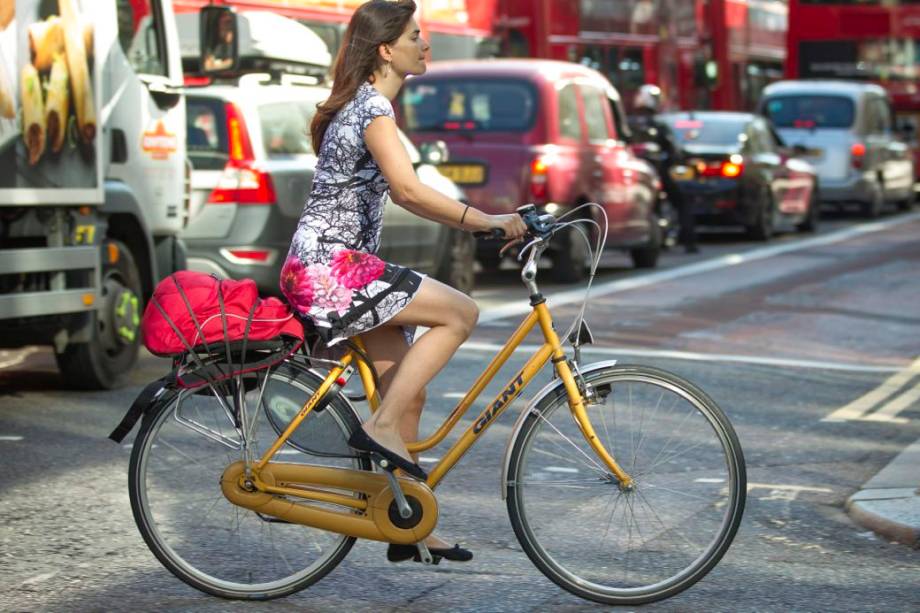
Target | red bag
(192,301)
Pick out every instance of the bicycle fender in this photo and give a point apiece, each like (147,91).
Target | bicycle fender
(535,405)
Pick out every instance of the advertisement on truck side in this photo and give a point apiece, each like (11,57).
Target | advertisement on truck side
(50,132)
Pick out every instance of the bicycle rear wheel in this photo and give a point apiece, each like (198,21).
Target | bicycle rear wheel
(627,546)
(183,447)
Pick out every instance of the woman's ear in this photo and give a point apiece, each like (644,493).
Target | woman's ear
(384,50)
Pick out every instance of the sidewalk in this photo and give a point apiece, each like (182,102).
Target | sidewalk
(889,503)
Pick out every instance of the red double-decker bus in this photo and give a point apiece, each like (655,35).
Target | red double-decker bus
(873,40)
(715,54)
(870,40)
(456,28)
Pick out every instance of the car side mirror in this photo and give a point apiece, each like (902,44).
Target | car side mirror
(219,39)
(433,153)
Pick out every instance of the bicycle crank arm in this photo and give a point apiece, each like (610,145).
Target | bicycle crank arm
(289,492)
(405,511)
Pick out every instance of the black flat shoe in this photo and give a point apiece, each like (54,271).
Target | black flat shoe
(401,553)
(383,457)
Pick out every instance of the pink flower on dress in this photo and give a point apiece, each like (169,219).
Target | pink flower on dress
(296,284)
(355,269)
(328,293)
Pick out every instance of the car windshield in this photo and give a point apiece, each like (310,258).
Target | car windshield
(810,111)
(286,127)
(483,105)
(707,130)
(207,133)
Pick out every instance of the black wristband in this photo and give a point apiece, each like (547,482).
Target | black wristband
(462,217)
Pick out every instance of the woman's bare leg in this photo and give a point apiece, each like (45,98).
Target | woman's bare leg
(450,316)
(386,346)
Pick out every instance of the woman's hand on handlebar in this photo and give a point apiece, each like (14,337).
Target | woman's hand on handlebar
(512,225)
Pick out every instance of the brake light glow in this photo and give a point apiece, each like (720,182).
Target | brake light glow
(539,170)
(731,170)
(857,154)
(242,181)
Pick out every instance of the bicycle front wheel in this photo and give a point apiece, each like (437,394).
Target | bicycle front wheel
(618,545)
(183,447)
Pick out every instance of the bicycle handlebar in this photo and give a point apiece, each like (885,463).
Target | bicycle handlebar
(538,226)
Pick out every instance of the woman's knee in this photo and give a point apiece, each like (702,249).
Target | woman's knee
(467,315)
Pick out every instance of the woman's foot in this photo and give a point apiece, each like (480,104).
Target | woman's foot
(436,547)
(386,454)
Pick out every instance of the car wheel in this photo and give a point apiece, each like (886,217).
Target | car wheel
(810,223)
(456,265)
(872,208)
(762,228)
(907,203)
(570,256)
(646,256)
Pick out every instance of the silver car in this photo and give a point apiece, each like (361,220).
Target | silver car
(846,130)
(253,165)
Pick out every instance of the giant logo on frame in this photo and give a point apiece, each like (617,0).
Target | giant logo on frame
(159,142)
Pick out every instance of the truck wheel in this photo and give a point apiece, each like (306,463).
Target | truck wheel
(103,362)
(456,267)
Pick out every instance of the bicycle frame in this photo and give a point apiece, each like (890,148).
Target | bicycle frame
(551,349)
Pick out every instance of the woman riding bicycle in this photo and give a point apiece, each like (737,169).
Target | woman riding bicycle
(332,275)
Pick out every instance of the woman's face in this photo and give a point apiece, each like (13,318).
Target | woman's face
(408,52)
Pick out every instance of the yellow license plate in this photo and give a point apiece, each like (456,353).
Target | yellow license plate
(464,174)
(682,173)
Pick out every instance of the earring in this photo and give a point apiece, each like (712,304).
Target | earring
(386,70)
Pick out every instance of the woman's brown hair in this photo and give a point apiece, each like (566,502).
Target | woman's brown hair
(374,23)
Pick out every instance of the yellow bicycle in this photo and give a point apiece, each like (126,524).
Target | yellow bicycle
(624,484)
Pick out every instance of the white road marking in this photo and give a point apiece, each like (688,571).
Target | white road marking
(12,439)
(39,578)
(785,492)
(428,460)
(561,469)
(621,285)
(859,408)
(709,480)
(454,394)
(702,357)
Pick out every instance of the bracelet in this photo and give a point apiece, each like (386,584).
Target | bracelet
(462,217)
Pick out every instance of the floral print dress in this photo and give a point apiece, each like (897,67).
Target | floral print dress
(331,275)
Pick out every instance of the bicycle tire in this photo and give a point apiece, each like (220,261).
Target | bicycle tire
(570,550)
(198,567)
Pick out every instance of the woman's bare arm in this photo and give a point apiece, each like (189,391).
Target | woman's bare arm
(407,191)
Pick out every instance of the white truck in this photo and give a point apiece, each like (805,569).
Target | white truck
(93,176)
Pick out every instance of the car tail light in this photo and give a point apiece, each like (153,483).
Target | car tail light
(248,255)
(241,182)
(729,169)
(857,155)
(539,170)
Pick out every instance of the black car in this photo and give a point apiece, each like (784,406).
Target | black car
(735,171)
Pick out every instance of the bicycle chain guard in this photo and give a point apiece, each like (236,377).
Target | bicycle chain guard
(373,523)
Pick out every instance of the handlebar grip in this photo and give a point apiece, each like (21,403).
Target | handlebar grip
(493,234)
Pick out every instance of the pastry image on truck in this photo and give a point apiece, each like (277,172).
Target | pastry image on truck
(57,97)
(94,177)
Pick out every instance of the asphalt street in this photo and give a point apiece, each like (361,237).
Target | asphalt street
(782,336)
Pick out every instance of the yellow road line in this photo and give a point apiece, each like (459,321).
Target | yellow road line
(864,404)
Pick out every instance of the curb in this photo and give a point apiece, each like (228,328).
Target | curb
(879,516)
(889,503)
